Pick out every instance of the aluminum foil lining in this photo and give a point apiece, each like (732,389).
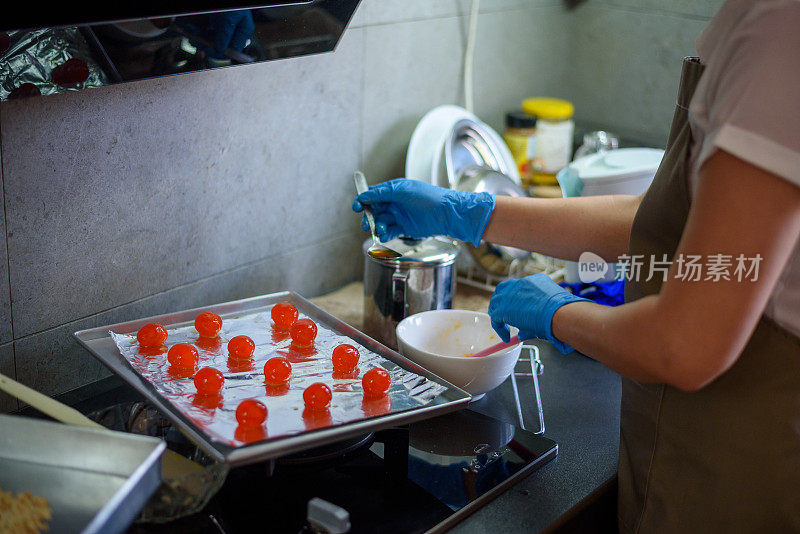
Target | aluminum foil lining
(32,56)
(244,379)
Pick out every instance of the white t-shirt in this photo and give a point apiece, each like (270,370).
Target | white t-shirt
(748,103)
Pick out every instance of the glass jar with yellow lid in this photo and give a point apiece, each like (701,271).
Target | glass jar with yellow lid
(554,132)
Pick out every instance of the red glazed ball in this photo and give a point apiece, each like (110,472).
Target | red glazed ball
(317,396)
(251,413)
(376,382)
(345,358)
(284,315)
(208,324)
(277,371)
(303,332)
(209,381)
(241,348)
(151,335)
(182,356)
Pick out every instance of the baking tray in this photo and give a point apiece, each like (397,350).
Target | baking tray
(94,480)
(100,344)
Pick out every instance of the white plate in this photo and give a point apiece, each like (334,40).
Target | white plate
(428,139)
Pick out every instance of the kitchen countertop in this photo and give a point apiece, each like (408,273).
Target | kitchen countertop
(581,401)
(576,492)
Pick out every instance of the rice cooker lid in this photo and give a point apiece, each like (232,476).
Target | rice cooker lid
(430,252)
(619,164)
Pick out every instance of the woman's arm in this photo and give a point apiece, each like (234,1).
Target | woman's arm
(692,332)
(564,227)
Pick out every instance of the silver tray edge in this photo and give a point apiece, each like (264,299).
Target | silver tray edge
(454,398)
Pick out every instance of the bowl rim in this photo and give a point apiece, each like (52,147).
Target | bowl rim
(496,355)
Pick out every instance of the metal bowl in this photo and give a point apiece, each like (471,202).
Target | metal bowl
(472,144)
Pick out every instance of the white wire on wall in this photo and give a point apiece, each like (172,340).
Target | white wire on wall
(469,55)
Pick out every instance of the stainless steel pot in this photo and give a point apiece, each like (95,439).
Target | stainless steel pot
(422,279)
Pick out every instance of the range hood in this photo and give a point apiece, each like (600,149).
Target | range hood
(71,47)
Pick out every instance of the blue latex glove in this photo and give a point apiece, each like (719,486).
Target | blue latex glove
(529,304)
(411,208)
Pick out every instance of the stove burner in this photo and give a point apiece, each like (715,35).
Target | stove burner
(427,476)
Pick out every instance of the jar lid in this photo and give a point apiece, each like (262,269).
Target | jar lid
(520,119)
(432,251)
(548,108)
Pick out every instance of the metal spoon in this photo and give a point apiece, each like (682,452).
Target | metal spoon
(376,250)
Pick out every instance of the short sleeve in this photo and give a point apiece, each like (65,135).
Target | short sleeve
(751,103)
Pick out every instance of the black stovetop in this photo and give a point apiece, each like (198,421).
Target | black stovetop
(423,477)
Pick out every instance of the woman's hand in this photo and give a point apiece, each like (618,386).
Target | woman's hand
(411,208)
(529,304)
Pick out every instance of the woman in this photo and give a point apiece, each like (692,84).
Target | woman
(710,358)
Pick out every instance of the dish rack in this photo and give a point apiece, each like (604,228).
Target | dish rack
(470,272)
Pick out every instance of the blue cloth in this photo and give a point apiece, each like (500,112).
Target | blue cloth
(411,208)
(606,293)
(529,304)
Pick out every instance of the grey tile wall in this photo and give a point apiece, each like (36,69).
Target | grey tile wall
(167,194)
(425,69)
(52,361)
(7,402)
(258,160)
(625,65)
(691,8)
(6,333)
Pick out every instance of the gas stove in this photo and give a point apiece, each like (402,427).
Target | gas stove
(424,477)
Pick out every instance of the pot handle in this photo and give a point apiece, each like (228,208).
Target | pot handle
(399,280)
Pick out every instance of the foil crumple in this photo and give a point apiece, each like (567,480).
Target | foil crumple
(244,379)
(32,56)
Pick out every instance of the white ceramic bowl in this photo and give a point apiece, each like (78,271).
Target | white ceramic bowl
(441,340)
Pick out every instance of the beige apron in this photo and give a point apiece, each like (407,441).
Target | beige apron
(725,458)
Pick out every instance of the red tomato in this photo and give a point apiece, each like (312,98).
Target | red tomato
(345,358)
(71,72)
(208,381)
(376,382)
(208,324)
(303,332)
(277,370)
(317,396)
(251,413)
(284,315)
(241,348)
(182,356)
(151,335)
